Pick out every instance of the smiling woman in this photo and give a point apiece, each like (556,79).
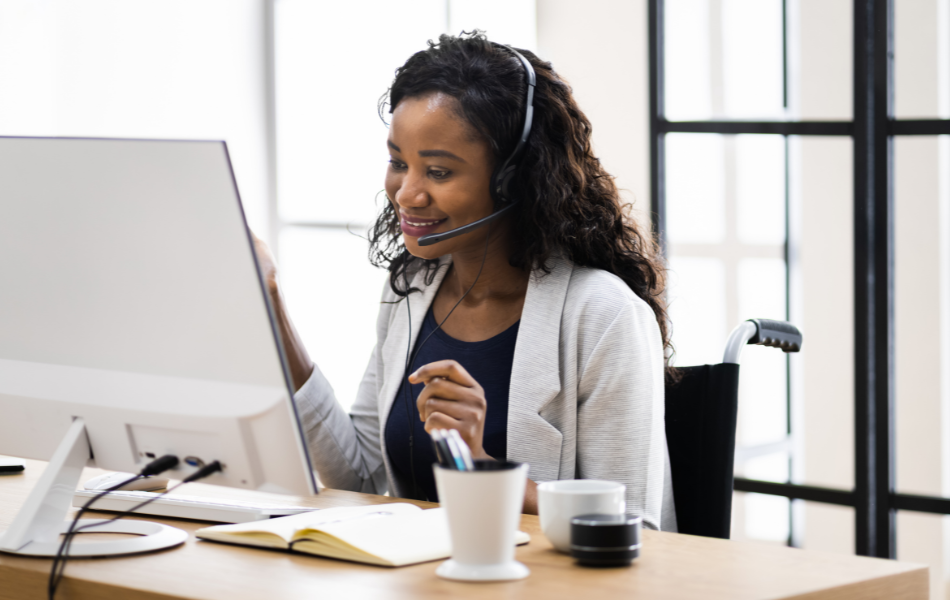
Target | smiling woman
(539,337)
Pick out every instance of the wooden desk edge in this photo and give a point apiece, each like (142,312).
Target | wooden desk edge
(912,583)
(26,578)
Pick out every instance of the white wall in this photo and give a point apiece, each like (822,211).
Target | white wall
(600,48)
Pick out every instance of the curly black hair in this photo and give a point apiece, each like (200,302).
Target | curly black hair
(569,205)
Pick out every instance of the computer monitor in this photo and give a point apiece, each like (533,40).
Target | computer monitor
(134,323)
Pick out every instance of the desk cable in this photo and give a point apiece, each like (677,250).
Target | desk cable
(156,467)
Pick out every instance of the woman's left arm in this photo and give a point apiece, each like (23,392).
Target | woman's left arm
(621,433)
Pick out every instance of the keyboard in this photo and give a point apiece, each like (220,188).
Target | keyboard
(187,507)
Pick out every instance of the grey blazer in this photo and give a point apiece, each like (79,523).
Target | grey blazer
(585,402)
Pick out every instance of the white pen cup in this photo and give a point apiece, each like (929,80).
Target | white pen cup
(483,508)
(560,501)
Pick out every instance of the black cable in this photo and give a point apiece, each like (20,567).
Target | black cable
(59,562)
(155,467)
(199,474)
(407,396)
(411,357)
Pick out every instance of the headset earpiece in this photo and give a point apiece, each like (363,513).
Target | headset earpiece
(502,183)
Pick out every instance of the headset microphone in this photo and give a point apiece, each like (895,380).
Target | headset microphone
(504,175)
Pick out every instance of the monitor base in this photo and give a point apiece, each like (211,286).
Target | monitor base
(149,537)
(36,529)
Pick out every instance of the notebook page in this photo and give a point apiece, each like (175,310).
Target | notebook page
(406,540)
(287,528)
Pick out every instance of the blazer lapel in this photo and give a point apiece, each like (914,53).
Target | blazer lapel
(535,373)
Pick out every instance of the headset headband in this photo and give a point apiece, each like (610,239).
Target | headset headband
(505,173)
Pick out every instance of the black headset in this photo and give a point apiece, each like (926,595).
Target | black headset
(503,177)
(501,189)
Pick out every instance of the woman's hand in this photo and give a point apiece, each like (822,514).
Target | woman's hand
(452,399)
(265,259)
(298,360)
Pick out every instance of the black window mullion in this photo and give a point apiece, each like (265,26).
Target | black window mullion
(657,114)
(919,127)
(759,127)
(873,280)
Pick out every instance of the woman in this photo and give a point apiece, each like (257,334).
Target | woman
(539,337)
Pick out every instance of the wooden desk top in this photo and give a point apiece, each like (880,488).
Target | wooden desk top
(671,567)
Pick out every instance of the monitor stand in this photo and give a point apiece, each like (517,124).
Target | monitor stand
(36,529)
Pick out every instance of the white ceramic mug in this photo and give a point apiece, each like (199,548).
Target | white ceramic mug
(559,501)
(484,510)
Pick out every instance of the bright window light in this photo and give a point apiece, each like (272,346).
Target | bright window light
(695,188)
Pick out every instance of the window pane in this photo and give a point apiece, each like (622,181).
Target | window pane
(820,59)
(822,264)
(723,59)
(767,467)
(752,58)
(922,313)
(333,297)
(824,527)
(695,188)
(758,516)
(921,60)
(763,388)
(688,61)
(697,307)
(331,144)
(760,189)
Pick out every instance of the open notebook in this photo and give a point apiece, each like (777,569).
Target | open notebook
(390,535)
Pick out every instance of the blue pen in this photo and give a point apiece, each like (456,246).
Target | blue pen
(456,453)
(463,449)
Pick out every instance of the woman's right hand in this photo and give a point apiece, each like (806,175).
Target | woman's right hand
(298,360)
(265,259)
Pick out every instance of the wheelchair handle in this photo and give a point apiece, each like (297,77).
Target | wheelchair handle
(763,332)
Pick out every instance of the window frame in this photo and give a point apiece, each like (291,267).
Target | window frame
(872,130)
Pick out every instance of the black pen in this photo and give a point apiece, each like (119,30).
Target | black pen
(447,453)
(442,449)
(437,448)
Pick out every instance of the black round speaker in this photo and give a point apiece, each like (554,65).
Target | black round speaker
(605,540)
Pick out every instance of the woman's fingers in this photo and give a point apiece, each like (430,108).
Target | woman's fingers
(442,421)
(267,263)
(470,432)
(456,410)
(452,399)
(446,369)
(442,392)
(449,390)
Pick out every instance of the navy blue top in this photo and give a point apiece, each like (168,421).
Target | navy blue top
(489,363)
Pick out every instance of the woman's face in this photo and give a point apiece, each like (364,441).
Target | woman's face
(438,175)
